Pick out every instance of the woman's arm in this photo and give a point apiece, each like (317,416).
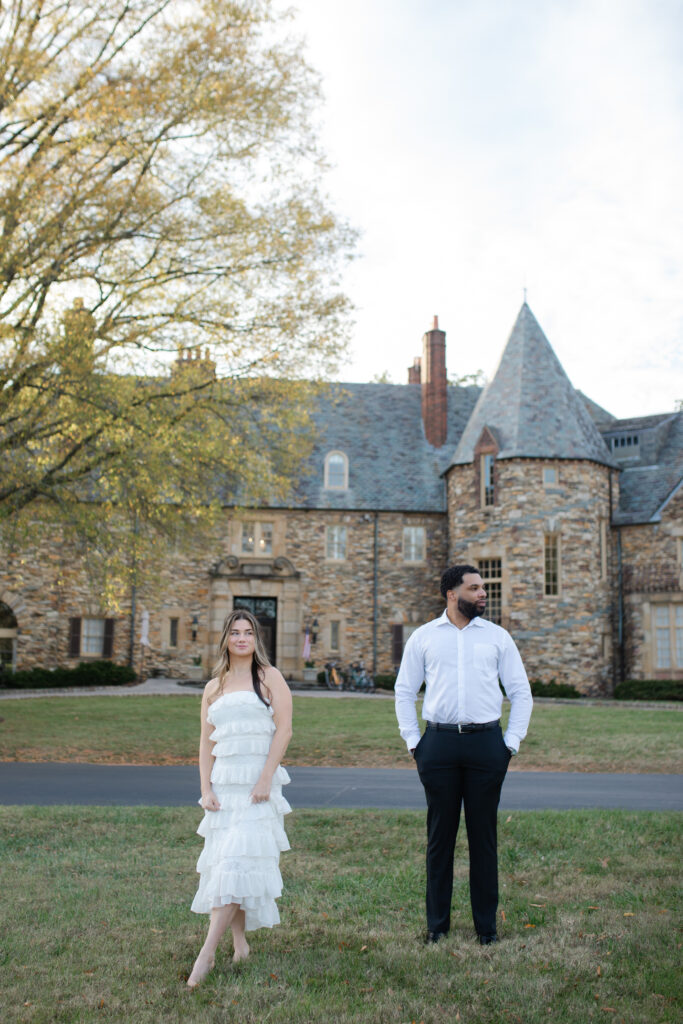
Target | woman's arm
(206,758)
(281,703)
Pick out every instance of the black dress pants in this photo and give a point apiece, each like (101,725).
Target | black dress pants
(455,769)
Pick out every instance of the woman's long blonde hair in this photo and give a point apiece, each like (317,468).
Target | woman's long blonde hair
(259,661)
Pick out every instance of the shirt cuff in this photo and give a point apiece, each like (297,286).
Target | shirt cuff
(511,741)
(413,741)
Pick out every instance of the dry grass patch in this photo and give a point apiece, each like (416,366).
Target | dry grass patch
(97,926)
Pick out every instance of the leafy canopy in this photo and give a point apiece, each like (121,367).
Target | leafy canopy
(159,193)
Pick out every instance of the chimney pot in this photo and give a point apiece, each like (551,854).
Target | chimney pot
(436,323)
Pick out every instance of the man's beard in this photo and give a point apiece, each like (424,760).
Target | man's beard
(469,609)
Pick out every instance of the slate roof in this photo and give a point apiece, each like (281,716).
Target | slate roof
(391,465)
(531,405)
(647,483)
(534,412)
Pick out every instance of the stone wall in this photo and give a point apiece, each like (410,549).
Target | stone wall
(45,585)
(651,557)
(568,637)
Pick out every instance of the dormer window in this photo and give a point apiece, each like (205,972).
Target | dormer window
(485,453)
(625,441)
(336,471)
(488,495)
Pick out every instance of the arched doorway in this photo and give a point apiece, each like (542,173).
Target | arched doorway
(8,638)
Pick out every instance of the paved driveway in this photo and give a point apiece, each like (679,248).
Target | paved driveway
(329,787)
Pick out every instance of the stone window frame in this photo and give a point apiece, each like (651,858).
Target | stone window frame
(260,530)
(327,482)
(333,543)
(552,563)
(603,549)
(487,447)
(406,546)
(674,633)
(180,615)
(492,577)
(77,634)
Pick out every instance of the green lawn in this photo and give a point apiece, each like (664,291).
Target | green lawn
(96,925)
(350,731)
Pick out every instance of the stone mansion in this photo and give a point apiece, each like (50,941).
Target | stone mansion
(574,518)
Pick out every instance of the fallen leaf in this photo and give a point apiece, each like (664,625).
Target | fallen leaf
(324,914)
(592,908)
(274,976)
(158,931)
(537,904)
(608,1009)
(599,970)
(529,925)
(629,914)
(101,1004)
(363,948)
(508,819)
(502,916)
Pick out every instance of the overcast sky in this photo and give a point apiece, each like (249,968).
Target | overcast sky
(485,146)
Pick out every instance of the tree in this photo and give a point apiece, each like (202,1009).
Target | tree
(159,193)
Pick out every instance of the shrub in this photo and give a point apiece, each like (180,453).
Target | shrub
(649,689)
(87,673)
(553,689)
(385,682)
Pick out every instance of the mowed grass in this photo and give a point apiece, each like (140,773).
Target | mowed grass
(97,925)
(350,731)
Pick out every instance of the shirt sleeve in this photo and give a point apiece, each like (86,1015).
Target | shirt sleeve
(408,682)
(514,679)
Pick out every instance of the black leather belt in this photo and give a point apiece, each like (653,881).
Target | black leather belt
(463,726)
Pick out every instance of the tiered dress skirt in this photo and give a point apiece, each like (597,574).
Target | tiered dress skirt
(243,840)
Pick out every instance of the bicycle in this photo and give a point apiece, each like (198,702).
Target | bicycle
(358,678)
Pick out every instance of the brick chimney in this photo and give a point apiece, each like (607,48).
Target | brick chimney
(434,385)
(415,371)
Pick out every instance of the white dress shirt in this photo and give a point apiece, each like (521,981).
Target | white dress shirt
(461,668)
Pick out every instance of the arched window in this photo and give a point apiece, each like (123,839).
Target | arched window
(336,471)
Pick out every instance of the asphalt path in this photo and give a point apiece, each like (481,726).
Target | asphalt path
(124,785)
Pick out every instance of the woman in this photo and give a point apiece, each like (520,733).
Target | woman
(246,721)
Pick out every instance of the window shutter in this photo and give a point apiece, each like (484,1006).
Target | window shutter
(397,643)
(108,639)
(74,638)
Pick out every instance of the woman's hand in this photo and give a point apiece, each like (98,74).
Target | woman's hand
(210,801)
(261,791)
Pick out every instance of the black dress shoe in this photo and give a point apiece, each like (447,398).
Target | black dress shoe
(485,940)
(431,937)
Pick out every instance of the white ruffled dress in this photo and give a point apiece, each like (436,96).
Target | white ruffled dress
(242,841)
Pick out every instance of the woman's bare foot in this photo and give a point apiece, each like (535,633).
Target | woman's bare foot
(202,965)
(241,951)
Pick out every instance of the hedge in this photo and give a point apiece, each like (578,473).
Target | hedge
(553,689)
(649,689)
(87,673)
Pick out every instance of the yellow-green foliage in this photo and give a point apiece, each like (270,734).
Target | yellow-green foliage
(159,192)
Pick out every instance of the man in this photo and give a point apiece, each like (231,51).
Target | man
(462,756)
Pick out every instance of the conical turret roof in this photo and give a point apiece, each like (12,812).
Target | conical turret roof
(531,406)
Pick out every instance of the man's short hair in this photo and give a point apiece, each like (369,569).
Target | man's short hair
(453,577)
